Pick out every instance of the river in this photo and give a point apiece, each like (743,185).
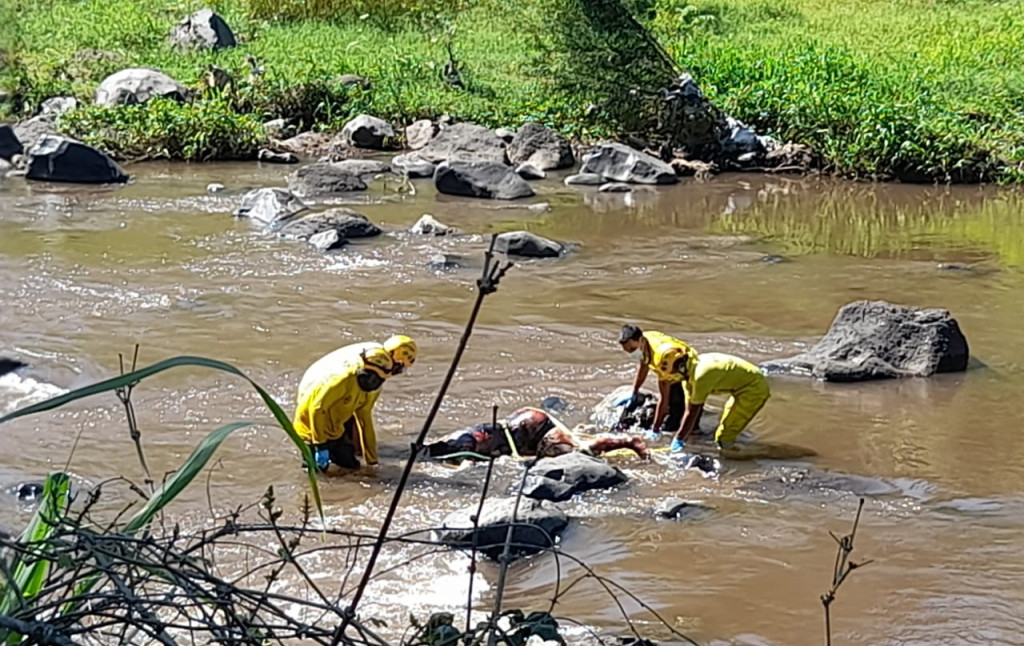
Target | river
(752,265)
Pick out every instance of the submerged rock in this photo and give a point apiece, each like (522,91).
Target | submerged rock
(560,478)
(540,147)
(679,509)
(620,163)
(427,225)
(10,145)
(137,85)
(441,261)
(323,178)
(880,340)
(270,205)
(529,171)
(536,526)
(484,179)
(214,187)
(8,365)
(615,187)
(368,132)
(362,167)
(28,492)
(347,223)
(783,482)
(205,29)
(465,142)
(59,159)
(530,245)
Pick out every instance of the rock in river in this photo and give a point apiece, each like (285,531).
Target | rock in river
(541,147)
(347,223)
(362,167)
(464,142)
(529,171)
(205,29)
(59,159)
(8,365)
(270,205)
(584,179)
(368,132)
(530,245)
(560,478)
(428,225)
(480,179)
(10,145)
(880,340)
(137,85)
(620,163)
(323,178)
(536,526)
(413,166)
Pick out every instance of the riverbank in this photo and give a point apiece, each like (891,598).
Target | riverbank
(922,93)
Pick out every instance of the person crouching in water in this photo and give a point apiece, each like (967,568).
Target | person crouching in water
(335,414)
(534,433)
(715,373)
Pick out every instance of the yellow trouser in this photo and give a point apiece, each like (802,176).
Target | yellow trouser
(739,410)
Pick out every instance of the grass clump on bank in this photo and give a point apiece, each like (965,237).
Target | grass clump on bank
(881,88)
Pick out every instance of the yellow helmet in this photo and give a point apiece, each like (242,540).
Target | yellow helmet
(403,349)
(669,357)
(378,360)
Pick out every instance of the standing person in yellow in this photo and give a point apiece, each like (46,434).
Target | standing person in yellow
(335,414)
(716,373)
(645,347)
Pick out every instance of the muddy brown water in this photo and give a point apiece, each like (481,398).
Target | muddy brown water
(746,264)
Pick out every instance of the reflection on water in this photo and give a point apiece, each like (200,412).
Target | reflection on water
(751,265)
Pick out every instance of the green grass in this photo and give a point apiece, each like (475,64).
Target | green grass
(882,89)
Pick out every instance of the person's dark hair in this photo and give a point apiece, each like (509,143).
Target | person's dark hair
(630,333)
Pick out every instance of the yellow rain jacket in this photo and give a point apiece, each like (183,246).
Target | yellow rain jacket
(716,373)
(331,365)
(656,341)
(321,415)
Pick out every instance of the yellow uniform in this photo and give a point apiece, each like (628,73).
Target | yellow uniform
(659,344)
(331,405)
(715,373)
(331,365)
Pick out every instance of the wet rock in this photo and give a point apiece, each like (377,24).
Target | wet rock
(366,131)
(137,85)
(205,29)
(795,157)
(348,224)
(560,478)
(31,131)
(536,526)
(429,226)
(880,340)
(327,240)
(59,159)
(584,179)
(620,163)
(530,245)
(8,365)
(464,142)
(490,180)
(4,167)
(772,259)
(444,262)
(312,144)
(529,171)
(554,404)
(214,187)
(679,509)
(541,147)
(58,105)
(270,205)
(10,145)
(694,168)
(504,134)
(609,414)
(784,482)
(270,157)
(323,178)
(419,133)
(953,266)
(615,187)
(413,166)
(27,492)
(362,167)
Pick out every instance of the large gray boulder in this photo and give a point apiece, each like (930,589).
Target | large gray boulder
(464,142)
(536,526)
(205,29)
(620,163)
(413,166)
(270,205)
(329,229)
(560,478)
(368,132)
(530,245)
(881,340)
(59,159)
(10,145)
(484,179)
(362,167)
(137,85)
(540,147)
(323,178)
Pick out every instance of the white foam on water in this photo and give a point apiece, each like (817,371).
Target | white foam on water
(17,392)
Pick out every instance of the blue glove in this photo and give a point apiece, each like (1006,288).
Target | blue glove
(677,446)
(323,457)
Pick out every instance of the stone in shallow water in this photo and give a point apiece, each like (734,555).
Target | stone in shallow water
(537,526)
(560,478)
